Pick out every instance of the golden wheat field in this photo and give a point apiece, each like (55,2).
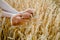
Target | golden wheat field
(44,25)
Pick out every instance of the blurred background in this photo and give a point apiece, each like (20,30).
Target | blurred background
(44,25)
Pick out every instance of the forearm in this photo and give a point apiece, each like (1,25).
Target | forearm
(5,6)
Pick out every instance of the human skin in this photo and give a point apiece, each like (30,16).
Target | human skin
(16,17)
(19,18)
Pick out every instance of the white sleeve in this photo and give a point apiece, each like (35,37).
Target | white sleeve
(7,7)
(6,14)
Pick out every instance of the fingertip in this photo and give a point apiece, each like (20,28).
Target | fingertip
(31,9)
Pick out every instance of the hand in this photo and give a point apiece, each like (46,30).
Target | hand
(19,18)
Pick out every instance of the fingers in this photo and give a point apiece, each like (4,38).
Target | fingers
(17,20)
(30,12)
(27,14)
